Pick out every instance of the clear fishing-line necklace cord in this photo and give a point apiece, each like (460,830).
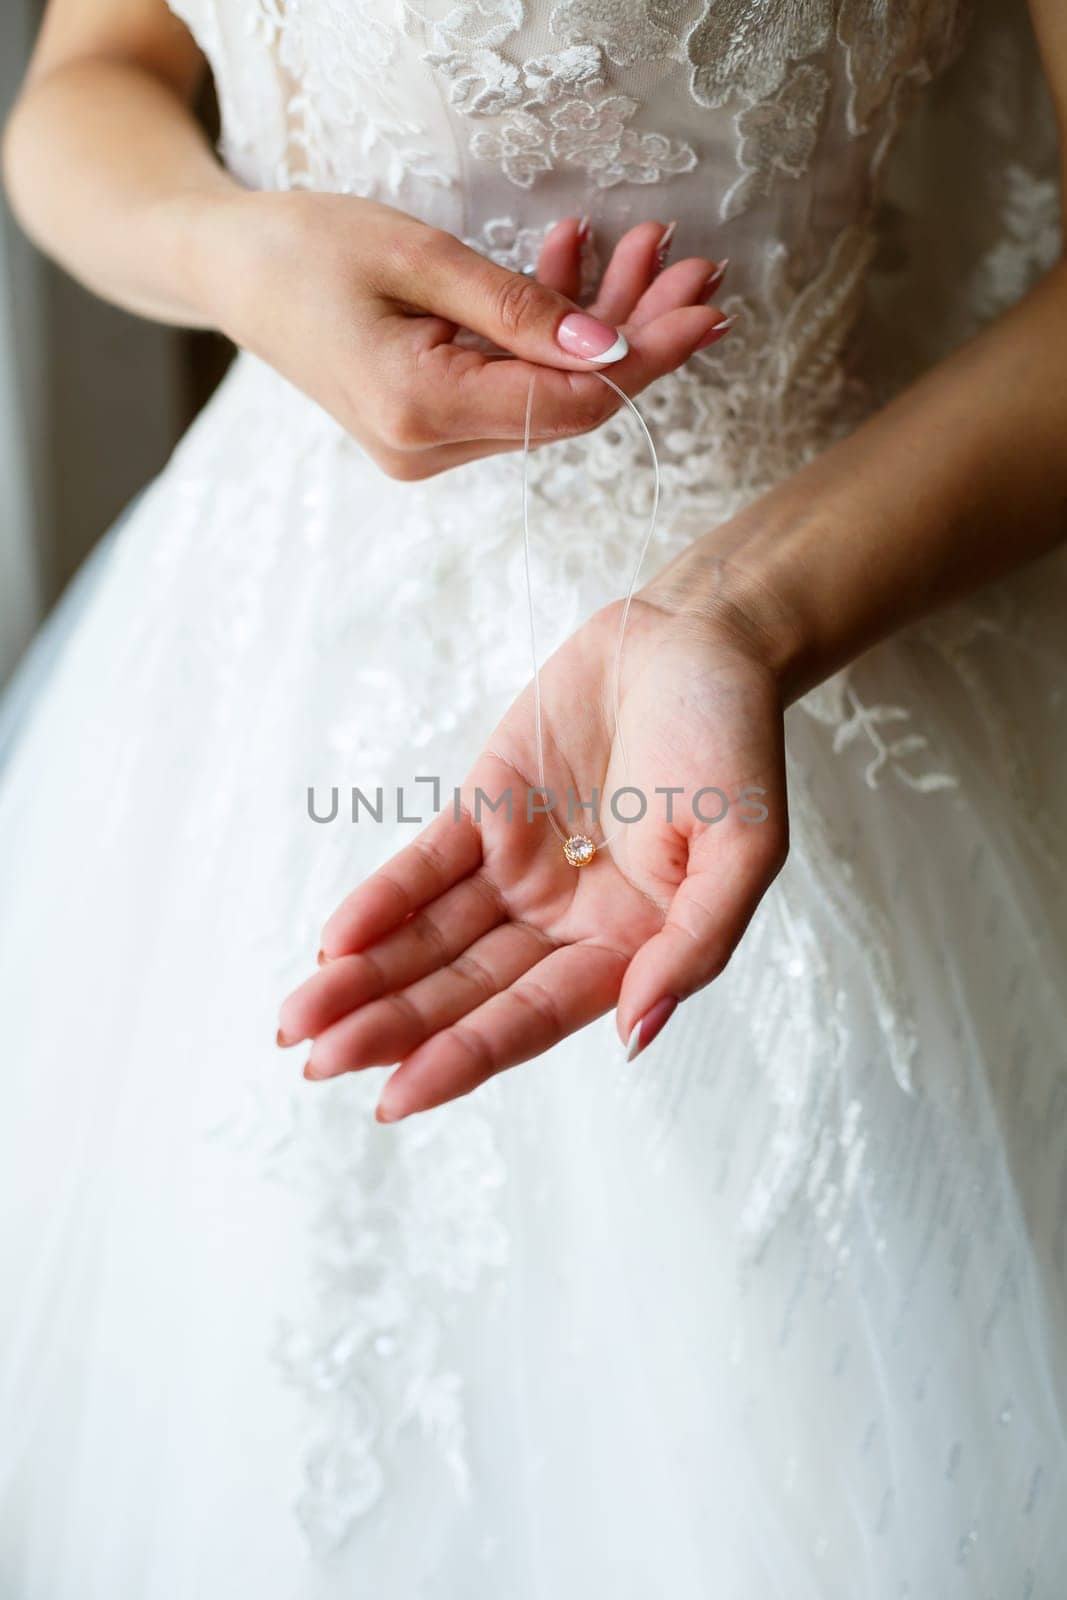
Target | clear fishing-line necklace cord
(579,848)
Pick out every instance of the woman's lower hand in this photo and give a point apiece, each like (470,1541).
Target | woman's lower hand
(359,304)
(477,946)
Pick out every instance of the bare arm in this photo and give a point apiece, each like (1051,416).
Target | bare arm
(354,302)
(957,482)
(102,154)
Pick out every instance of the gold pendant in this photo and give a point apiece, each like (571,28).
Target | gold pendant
(579,850)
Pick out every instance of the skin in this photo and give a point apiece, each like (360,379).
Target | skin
(108,171)
(476,948)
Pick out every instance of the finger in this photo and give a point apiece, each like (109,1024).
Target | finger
(427,940)
(486,398)
(444,852)
(387,1030)
(688,283)
(706,919)
(559,995)
(416,465)
(635,262)
(443,276)
(666,343)
(559,263)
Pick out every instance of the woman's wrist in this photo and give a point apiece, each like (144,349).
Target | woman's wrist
(204,229)
(957,481)
(739,579)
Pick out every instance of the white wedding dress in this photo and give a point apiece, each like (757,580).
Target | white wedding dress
(781,1309)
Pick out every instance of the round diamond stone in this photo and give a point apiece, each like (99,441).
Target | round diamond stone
(579,850)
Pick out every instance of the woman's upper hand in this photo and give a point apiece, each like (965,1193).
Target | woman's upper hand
(359,304)
(477,946)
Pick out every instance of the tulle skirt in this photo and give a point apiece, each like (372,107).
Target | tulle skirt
(779,1309)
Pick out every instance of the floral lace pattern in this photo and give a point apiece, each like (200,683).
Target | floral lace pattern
(777,135)
(397,1236)
(756,406)
(627,30)
(556,93)
(887,41)
(557,109)
(590,134)
(735,49)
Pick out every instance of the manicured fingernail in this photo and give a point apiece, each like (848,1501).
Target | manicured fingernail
(315,1073)
(714,278)
(321,958)
(583,336)
(583,229)
(652,1023)
(280,1040)
(663,248)
(716,332)
(387,1112)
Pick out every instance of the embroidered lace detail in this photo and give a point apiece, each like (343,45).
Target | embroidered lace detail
(1029,246)
(337,95)
(587,130)
(504,241)
(838,705)
(777,136)
(739,49)
(628,31)
(398,1231)
(744,414)
(883,42)
(556,108)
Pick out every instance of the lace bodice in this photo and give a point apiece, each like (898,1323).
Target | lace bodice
(483,116)
(762,130)
(766,131)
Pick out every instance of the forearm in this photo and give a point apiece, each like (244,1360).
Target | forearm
(107,170)
(959,480)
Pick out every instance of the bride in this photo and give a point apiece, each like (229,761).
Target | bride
(750,1278)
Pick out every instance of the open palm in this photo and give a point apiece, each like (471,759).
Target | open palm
(479,946)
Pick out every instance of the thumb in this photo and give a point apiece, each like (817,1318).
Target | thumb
(710,911)
(513,310)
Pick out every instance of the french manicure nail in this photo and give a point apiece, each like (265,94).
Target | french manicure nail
(386,1112)
(714,278)
(583,229)
(583,336)
(321,958)
(280,1040)
(652,1023)
(716,332)
(663,248)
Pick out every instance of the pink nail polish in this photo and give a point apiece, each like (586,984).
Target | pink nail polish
(652,1023)
(583,229)
(583,336)
(714,278)
(716,332)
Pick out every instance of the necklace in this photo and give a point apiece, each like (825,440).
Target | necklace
(578,848)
